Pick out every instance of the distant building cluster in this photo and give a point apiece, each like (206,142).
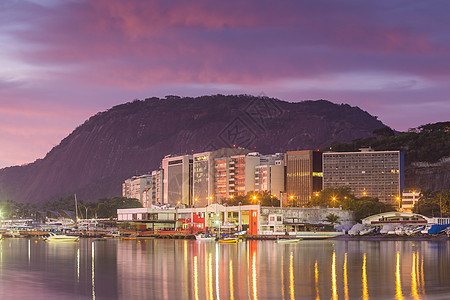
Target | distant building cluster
(201,179)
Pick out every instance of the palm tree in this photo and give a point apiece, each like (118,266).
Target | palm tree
(332,219)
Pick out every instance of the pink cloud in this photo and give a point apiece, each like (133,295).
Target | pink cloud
(85,56)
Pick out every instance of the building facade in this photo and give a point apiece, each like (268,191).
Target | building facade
(204,173)
(368,173)
(303,175)
(235,176)
(269,175)
(177,182)
(156,192)
(137,187)
(408,200)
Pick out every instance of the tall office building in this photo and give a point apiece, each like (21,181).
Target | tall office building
(177,182)
(204,172)
(303,175)
(368,173)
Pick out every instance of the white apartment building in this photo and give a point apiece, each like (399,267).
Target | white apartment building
(269,175)
(137,187)
(408,200)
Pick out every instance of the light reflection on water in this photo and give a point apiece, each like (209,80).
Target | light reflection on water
(181,269)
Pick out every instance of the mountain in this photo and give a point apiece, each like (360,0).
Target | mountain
(132,138)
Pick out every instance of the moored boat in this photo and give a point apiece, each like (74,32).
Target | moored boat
(205,237)
(317,235)
(287,241)
(61,238)
(130,238)
(228,241)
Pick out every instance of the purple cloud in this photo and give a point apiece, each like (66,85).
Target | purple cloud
(389,58)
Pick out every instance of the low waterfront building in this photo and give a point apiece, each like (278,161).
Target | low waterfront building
(396,218)
(215,217)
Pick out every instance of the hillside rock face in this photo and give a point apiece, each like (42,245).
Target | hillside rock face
(132,138)
(428,176)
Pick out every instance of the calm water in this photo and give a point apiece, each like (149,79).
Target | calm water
(179,269)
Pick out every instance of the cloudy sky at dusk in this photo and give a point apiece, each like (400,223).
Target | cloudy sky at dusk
(63,61)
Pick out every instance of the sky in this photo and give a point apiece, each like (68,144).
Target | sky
(63,61)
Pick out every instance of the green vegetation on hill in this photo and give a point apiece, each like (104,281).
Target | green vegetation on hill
(426,143)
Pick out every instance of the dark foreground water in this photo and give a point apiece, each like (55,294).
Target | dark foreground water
(185,269)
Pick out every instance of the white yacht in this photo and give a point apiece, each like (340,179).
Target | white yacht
(61,238)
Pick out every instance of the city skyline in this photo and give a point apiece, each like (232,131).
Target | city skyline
(64,61)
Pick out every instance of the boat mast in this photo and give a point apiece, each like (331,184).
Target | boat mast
(76,209)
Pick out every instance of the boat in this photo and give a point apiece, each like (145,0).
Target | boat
(435,228)
(400,230)
(287,241)
(130,238)
(356,229)
(317,235)
(414,230)
(366,231)
(205,237)
(61,238)
(113,234)
(228,241)
(12,233)
(386,228)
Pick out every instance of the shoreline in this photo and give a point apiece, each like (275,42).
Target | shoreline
(438,237)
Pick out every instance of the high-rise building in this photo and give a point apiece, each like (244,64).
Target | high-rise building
(303,175)
(156,195)
(204,171)
(269,175)
(137,187)
(368,173)
(235,175)
(177,182)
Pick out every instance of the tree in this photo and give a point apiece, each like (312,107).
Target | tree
(384,131)
(107,207)
(332,219)
(333,197)
(432,203)
(253,198)
(342,197)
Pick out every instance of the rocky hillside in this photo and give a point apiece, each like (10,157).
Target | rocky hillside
(132,139)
